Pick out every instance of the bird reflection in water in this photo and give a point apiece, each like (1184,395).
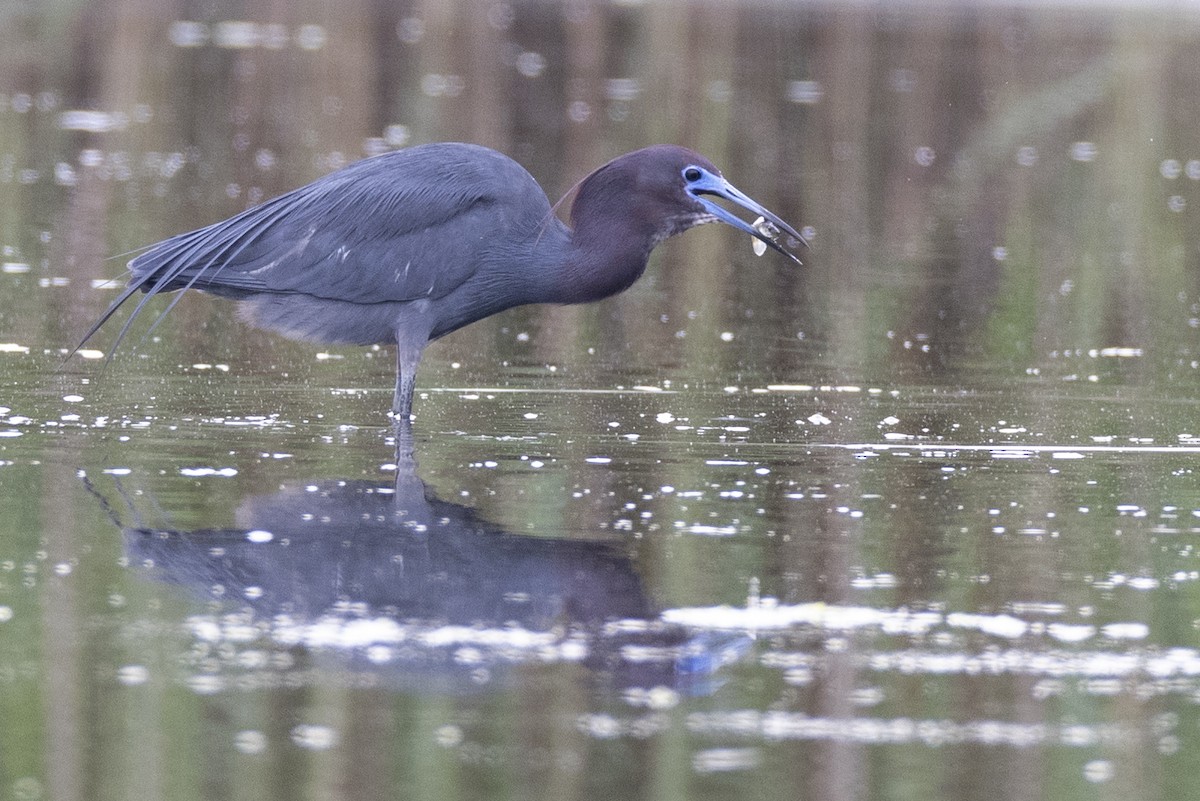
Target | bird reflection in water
(398,580)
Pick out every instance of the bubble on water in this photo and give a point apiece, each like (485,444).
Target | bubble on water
(205,684)
(1170,169)
(1117,352)
(264,158)
(531,64)
(723,760)
(448,736)
(133,675)
(1084,151)
(1098,771)
(199,472)
(396,135)
(1072,633)
(186,33)
(622,89)
(712,531)
(1176,203)
(438,85)
(250,742)
(92,121)
(579,111)
(924,156)
(64,174)
(600,726)
(259,535)
(1027,156)
(805,92)
(661,697)
(1125,631)
(235,34)
(410,30)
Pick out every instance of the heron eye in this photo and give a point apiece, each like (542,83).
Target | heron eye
(692,174)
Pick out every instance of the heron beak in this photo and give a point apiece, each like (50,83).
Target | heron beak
(716,185)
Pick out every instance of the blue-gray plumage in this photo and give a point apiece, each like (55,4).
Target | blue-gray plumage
(406,247)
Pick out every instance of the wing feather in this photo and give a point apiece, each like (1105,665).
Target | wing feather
(403,226)
(392,228)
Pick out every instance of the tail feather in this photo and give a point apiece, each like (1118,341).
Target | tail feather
(109,312)
(185,261)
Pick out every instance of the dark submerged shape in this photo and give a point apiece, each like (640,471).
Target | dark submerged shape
(409,246)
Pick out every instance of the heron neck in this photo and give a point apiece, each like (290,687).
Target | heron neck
(599,264)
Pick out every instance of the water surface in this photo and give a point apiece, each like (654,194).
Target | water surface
(917,520)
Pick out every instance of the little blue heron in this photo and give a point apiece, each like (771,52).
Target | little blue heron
(408,246)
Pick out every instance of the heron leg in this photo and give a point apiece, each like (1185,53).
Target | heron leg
(406,381)
(408,357)
(413,326)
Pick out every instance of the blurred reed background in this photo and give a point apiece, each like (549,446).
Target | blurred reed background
(1004,181)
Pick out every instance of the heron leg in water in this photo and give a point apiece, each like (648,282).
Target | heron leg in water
(406,461)
(406,381)
(410,344)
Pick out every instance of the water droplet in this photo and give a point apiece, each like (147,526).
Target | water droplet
(311,37)
(133,675)
(314,737)
(1084,151)
(531,64)
(623,89)
(1098,770)
(805,92)
(396,135)
(250,742)
(448,736)
(185,33)
(410,30)
(579,111)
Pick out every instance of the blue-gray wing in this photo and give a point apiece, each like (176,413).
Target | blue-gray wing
(406,225)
